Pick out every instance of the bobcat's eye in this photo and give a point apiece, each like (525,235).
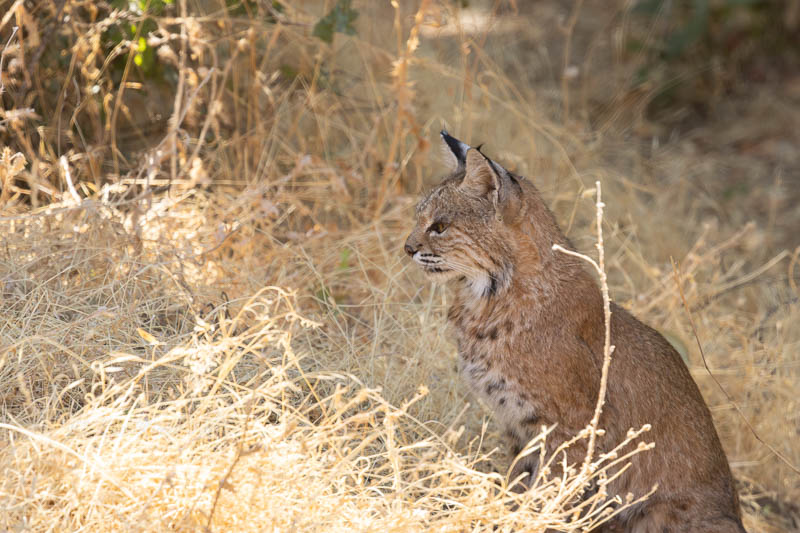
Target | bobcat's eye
(437,227)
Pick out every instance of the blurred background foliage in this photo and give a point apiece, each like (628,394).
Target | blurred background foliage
(726,42)
(98,78)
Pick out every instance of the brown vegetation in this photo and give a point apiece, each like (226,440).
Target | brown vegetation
(207,320)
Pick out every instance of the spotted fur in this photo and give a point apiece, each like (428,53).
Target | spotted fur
(529,326)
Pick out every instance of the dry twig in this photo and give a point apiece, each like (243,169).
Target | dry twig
(608,348)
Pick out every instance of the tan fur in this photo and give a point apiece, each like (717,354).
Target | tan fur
(528,322)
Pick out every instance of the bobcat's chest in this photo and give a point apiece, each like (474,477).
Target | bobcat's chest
(483,353)
(489,383)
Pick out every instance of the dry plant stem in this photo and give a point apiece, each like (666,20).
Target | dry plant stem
(93,466)
(240,451)
(3,56)
(404,96)
(217,91)
(112,126)
(176,111)
(792,264)
(182,111)
(62,94)
(568,29)
(747,278)
(779,455)
(400,79)
(608,349)
(68,178)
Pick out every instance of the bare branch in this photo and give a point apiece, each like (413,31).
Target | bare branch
(608,348)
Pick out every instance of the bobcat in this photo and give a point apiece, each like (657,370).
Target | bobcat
(529,326)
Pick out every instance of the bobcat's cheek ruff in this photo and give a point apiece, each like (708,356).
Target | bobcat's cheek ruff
(488,284)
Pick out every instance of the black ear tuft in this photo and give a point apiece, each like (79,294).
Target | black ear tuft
(458,148)
(499,170)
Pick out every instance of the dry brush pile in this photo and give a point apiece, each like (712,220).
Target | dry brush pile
(206,319)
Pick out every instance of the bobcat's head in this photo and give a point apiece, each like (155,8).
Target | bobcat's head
(465,226)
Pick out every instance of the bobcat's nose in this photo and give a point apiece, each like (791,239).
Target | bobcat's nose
(412,245)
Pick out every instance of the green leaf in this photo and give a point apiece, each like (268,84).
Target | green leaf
(339,20)
(114,34)
(344,259)
(736,3)
(155,7)
(697,26)
(288,71)
(648,7)
(241,8)
(641,76)
(276,7)
(144,58)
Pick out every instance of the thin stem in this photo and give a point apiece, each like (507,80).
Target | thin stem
(608,348)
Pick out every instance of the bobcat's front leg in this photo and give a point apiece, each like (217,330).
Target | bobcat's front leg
(525,467)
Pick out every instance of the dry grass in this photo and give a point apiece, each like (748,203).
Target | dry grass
(249,350)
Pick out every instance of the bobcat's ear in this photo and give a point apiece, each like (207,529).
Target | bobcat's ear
(483,177)
(455,150)
(480,177)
